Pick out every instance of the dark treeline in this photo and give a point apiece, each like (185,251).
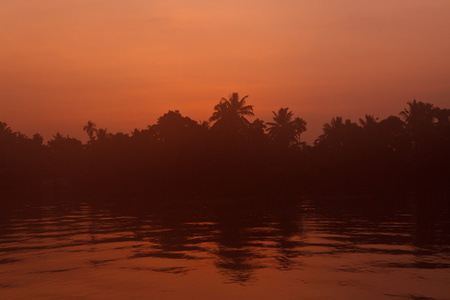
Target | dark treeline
(231,155)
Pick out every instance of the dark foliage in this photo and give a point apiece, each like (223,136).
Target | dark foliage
(234,156)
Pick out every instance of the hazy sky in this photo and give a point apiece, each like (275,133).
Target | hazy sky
(123,63)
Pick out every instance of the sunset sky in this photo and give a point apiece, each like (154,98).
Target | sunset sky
(122,64)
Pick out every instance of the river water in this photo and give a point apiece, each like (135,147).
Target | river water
(305,248)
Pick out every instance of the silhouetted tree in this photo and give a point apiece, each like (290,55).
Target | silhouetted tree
(256,134)
(5,129)
(333,133)
(368,122)
(286,131)
(418,115)
(443,116)
(419,118)
(392,133)
(102,135)
(237,156)
(231,113)
(65,145)
(38,139)
(91,130)
(173,128)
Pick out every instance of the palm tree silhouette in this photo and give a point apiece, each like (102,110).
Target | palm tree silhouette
(103,135)
(232,112)
(420,120)
(419,115)
(285,130)
(91,129)
(369,121)
(329,129)
(337,132)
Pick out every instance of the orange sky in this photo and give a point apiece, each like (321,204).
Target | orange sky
(123,63)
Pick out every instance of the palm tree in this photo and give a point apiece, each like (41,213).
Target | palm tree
(103,135)
(285,131)
(419,115)
(337,132)
(232,112)
(368,122)
(419,119)
(330,129)
(91,129)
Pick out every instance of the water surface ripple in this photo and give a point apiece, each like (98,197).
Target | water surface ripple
(306,249)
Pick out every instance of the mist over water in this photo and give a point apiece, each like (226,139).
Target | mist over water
(306,247)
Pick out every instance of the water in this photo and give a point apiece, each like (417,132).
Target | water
(310,249)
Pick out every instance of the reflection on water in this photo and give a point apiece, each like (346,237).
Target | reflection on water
(309,249)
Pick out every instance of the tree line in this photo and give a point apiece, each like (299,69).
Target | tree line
(229,154)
